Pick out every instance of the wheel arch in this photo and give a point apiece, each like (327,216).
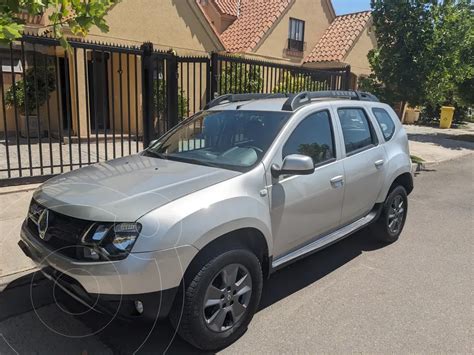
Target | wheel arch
(249,238)
(405,180)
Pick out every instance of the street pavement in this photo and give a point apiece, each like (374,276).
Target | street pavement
(414,296)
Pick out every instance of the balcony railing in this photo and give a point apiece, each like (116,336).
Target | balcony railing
(295,45)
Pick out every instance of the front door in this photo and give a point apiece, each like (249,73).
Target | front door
(363,164)
(307,206)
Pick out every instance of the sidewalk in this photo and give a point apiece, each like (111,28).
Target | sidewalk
(435,145)
(14,203)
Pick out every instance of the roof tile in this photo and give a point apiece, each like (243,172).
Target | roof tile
(227,7)
(339,37)
(256,17)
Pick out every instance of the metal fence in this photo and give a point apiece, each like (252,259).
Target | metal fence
(240,75)
(62,109)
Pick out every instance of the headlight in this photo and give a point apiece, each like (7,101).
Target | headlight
(110,241)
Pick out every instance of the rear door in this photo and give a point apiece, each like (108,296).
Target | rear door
(363,162)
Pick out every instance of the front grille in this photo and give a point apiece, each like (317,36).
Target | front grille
(63,233)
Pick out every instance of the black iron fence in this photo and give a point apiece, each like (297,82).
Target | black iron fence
(62,109)
(239,75)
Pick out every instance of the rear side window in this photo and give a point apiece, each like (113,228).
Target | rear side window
(312,137)
(357,130)
(385,122)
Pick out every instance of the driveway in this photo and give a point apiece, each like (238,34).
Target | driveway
(356,296)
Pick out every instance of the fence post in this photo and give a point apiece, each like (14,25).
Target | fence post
(347,84)
(147,95)
(214,75)
(172,89)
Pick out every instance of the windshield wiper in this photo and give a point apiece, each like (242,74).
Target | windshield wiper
(155,154)
(191,160)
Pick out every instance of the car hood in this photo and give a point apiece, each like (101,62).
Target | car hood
(125,189)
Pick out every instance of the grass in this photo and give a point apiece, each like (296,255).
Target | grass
(416,160)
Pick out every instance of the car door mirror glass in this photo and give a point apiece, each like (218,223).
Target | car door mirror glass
(294,164)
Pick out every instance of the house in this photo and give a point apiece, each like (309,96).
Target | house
(347,41)
(96,88)
(301,32)
(277,30)
(176,24)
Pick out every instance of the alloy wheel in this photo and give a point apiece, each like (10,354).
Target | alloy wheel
(227,297)
(396,214)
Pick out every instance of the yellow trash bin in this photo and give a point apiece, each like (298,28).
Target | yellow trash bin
(446,118)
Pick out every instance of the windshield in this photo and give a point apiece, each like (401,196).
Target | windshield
(234,139)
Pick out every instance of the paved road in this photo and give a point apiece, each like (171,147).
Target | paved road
(356,296)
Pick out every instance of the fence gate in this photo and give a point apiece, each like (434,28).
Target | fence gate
(62,109)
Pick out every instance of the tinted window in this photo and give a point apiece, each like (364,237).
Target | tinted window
(358,133)
(313,137)
(385,122)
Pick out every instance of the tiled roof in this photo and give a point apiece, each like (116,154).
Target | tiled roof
(227,7)
(256,17)
(339,38)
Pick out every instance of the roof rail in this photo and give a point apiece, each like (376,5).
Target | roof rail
(241,97)
(305,97)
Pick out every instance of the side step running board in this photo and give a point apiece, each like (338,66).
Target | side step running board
(327,240)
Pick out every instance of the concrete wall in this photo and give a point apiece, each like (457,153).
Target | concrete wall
(177,24)
(317,16)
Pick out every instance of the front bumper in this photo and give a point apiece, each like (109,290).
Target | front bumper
(139,276)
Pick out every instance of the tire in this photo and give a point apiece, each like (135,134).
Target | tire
(201,325)
(383,229)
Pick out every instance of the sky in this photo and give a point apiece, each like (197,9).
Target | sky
(347,6)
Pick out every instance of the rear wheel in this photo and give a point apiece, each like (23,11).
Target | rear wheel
(220,301)
(392,219)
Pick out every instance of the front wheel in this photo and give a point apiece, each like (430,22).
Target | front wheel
(392,219)
(220,301)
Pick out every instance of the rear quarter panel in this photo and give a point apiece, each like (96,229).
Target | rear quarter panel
(397,152)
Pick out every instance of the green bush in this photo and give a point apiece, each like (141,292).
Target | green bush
(297,83)
(159,100)
(237,78)
(32,92)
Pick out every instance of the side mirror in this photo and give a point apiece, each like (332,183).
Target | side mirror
(152,142)
(294,164)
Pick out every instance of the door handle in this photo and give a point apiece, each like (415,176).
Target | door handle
(379,163)
(337,181)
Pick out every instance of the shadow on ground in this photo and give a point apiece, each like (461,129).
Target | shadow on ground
(449,141)
(128,337)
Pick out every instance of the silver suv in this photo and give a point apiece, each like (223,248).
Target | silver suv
(191,226)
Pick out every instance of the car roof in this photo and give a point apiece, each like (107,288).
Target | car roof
(252,105)
(286,102)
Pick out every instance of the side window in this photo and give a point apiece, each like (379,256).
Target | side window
(312,137)
(356,128)
(385,122)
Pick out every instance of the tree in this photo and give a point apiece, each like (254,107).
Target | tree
(78,15)
(424,50)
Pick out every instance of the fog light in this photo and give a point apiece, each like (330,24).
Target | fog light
(139,306)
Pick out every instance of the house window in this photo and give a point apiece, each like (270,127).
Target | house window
(296,35)
(7,65)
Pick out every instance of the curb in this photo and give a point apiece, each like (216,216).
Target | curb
(15,189)
(5,280)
